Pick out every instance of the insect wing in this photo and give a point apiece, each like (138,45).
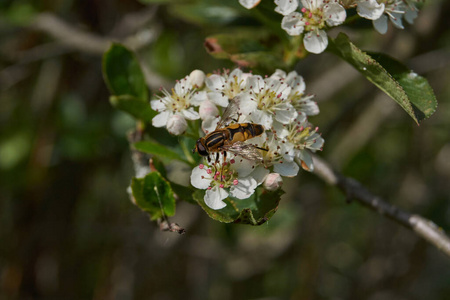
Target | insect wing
(230,113)
(244,150)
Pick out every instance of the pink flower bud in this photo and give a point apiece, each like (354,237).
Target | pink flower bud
(273,181)
(197,78)
(176,125)
(207,110)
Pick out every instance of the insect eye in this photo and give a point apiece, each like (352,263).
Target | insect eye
(201,149)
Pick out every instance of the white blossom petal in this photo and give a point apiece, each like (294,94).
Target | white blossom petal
(190,114)
(158,105)
(396,19)
(381,24)
(213,197)
(263,118)
(160,120)
(208,110)
(370,9)
(244,189)
(316,43)
(306,160)
(288,169)
(410,14)
(249,4)
(218,98)
(335,14)
(286,7)
(200,178)
(198,97)
(259,174)
(285,113)
(293,24)
(210,124)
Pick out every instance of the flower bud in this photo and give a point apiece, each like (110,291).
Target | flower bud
(176,125)
(273,181)
(197,78)
(207,110)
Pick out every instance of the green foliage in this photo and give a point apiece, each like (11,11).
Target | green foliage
(411,91)
(135,107)
(158,149)
(255,210)
(122,73)
(154,195)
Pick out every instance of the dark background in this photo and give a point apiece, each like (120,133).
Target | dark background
(69,231)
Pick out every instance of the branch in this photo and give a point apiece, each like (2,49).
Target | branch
(354,190)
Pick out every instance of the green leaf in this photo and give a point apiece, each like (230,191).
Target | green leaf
(138,109)
(122,73)
(411,91)
(255,210)
(154,195)
(158,149)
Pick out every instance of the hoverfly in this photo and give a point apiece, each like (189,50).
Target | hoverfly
(231,138)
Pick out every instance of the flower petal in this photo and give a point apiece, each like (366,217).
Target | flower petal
(160,120)
(285,114)
(190,114)
(335,14)
(200,178)
(293,24)
(370,9)
(381,24)
(218,98)
(248,4)
(158,105)
(285,7)
(244,189)
(396,19)
(213,197)
(288,169)
(316,43)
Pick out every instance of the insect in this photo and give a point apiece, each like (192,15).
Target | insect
(231,138)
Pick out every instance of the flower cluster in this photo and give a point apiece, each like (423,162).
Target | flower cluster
(313,17)
(278,103)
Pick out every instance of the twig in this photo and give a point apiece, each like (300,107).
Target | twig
(355,191)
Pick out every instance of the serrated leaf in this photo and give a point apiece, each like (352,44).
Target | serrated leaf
(255,210)
(122,73)
(138,109)
(154,195)
(158,149)
(411,91)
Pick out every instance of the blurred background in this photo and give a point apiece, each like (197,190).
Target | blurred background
(69,231)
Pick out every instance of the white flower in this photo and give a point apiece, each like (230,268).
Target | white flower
(286,7)
(379,11)
(177,103)
(248,4)
(299,138)
(266,101)
(227,86)
(314,17)
(220,181)
(301,102)
(410,12)
(273,182)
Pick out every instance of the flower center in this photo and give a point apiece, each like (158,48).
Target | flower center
(314,19)
(222,175)
(267,100)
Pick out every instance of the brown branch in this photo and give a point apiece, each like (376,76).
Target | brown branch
(356,191)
